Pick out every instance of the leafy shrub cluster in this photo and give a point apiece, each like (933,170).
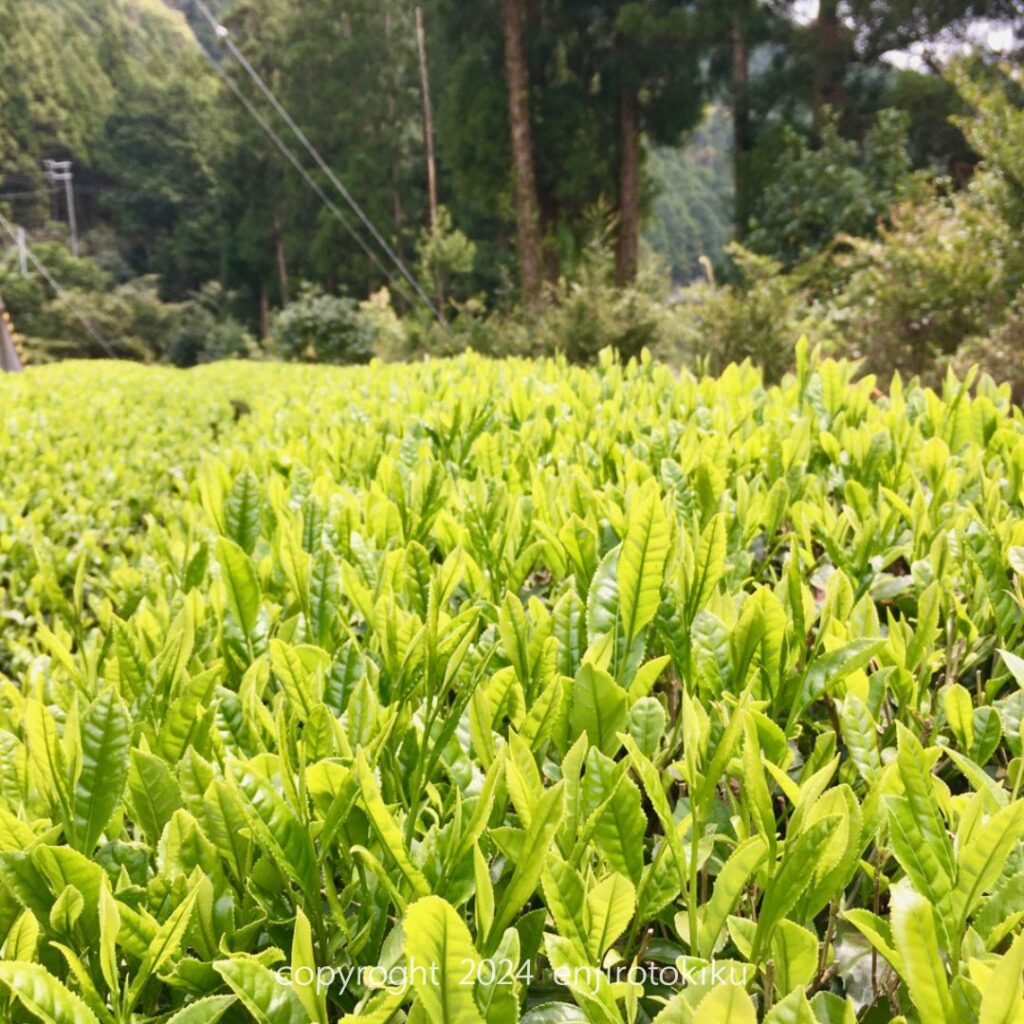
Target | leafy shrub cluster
(839,187)
(580,318)
(128,314)
(506,692)
(321,328)
(908,276)
(757,316)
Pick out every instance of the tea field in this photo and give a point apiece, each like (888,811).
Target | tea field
(477,691)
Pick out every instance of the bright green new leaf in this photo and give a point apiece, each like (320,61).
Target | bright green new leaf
(914,935)
(642,562)
(608,910)
(268,999)
(439,947)
(106,734)
(241,584)
(726,1004)
(208,1010)
(598,708)
(42,994)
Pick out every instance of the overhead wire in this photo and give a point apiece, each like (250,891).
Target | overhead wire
(298,165)
(25,195)
(223,34)
(61,293)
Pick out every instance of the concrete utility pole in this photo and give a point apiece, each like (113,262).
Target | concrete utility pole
(60,171)
(19,253)
(11,356)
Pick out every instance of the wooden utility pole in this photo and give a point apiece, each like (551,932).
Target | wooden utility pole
(428,119)
(527,205)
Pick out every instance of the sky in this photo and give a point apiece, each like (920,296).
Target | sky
(988,34)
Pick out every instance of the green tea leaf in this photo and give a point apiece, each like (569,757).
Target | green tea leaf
(642,563)
(43,995)
(268,999)
(441,957)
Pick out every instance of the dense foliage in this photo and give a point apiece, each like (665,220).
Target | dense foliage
(543,687)
(675,122)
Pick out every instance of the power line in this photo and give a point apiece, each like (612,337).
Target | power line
(25,195)
(222,33)
(61,294)
(297,164)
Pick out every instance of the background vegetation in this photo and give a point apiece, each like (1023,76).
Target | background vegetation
(873,194)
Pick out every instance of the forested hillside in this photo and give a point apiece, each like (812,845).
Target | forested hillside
(122,90)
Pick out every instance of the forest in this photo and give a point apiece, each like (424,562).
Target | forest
(707,179)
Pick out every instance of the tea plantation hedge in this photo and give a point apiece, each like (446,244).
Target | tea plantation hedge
(508,691)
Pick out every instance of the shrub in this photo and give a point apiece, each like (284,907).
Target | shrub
(203,330)
(131,317)
(759,315)
(391,332)
(445,258)
(933,279)
(578,319)
(694,691)
(1000,354)
(841,186)
(321,328)
(590,313)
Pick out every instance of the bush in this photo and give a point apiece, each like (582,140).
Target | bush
(391,332)
(841,187)
(591,314)
(579,318)
(758,316)
(1000,354)
(321,328)
(933,279)
(204,331)
(445,259)
(55,330)
(516,667)
(130,317)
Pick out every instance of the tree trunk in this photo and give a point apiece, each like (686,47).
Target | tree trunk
(264,313)
(741,134)
(828,64)
(627,248)
(282,266)
(527,217)
(552,264)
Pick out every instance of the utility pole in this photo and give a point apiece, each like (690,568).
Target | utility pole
(19,252)
(428,120)
(12,357)
(60,171)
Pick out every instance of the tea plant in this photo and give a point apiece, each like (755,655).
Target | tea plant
(508,691)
